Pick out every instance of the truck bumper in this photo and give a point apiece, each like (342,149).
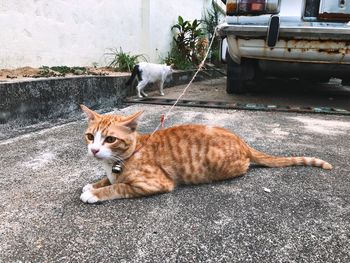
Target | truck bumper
(298,41)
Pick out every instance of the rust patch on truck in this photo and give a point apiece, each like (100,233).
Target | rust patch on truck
(294,49)
(341,51)
(322,46)
(334,17)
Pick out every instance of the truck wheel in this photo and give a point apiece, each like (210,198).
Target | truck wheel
(238,75)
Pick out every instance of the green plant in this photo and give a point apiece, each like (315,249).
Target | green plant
(186,38)
(44,71)
(60,71)
(211,18)
(176,58)
(185,51)
(123,61)
(63,70)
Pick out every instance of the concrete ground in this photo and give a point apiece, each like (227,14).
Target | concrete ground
(294,214)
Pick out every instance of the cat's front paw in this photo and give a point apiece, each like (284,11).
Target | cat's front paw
(87,188)
(89,197)
(162,94)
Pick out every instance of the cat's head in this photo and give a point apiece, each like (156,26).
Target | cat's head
(110,137)
(170,69)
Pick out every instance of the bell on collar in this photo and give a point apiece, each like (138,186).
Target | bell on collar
(117,168)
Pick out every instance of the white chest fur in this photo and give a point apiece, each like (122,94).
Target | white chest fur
(108,169)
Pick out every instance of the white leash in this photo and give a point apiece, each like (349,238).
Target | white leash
(166,116)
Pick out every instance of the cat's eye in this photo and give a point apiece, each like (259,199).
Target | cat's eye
(110,139)
(89,136)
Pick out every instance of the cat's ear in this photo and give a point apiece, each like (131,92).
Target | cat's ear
(132,121)
(89,113)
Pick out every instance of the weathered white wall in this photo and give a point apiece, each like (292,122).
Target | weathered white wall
(79,32)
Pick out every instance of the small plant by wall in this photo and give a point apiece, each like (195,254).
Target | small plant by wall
(61,71)
(191,39)
(187,44)
(211,18)
(122,61)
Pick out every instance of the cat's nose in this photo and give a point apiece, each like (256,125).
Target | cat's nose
(95,151)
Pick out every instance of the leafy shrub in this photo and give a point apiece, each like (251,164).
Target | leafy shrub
(123,61)
(60,71)
(211,18)
(185,52)
(65,70)
(177,59)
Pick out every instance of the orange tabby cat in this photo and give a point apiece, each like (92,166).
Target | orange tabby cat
(186,154)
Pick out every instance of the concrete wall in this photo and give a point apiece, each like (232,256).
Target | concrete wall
(78,33)
(56,100)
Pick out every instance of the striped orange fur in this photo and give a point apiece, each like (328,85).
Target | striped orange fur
(186,154)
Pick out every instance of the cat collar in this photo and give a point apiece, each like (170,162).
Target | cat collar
(117,168)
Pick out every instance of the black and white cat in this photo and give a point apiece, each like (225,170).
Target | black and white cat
(149,73)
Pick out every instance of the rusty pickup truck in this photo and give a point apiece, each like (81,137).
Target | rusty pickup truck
(305,39)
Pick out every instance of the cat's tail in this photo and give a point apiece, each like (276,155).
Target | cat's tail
(135,72)
(277,161)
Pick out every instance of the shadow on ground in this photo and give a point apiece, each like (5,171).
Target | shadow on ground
(273,92)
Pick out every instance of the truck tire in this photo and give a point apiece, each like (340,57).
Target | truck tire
(238,75)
